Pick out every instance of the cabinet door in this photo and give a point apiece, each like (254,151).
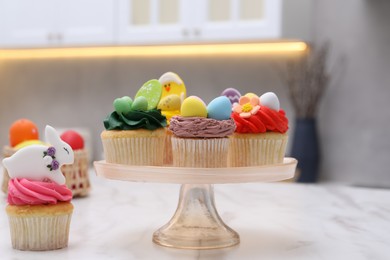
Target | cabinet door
(153,21)
(86,22)
(27,23)
(238,19)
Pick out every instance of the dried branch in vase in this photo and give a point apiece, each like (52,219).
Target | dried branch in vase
(307,80)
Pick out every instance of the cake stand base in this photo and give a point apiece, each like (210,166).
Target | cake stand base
(196,223)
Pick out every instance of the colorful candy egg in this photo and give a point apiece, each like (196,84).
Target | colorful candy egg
(140,103)
(151,90)
(22,130)
(270,100)
(74,139)
(219,108)
(170,103)
(193,107)
(123,105)
(232,94)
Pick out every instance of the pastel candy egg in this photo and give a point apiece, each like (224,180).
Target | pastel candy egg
(151,90)
(251,95)
(140,103)
(270,100)
(219,108)
(170,103)
(232,94)
(193,107)
(123,105)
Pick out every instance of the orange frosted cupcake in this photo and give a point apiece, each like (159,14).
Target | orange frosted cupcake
(261,134)
(39,208)
(200,134)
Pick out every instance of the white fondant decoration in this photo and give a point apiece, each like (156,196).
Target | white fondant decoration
(270,100)
(31,163)
(170,77)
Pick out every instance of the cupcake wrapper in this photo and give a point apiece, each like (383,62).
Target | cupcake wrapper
(200,153)
(168,157)
(135,150)
(259,150)
(39,233)
(76,174)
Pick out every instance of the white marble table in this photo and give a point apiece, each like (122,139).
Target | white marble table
(275,221)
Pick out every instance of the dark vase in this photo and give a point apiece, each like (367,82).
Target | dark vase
(305,148)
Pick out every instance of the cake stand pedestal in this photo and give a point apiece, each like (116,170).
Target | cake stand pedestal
(196,223)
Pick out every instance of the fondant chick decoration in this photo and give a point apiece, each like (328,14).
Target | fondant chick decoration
(173,94)
(40,162)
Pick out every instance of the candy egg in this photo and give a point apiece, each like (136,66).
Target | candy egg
(140,103)
(22,130)
(123,105)
(193,107)
(74,139)
(219,108)
(151,90)
(270,100)
(170,103)
(251,95)
(232,94)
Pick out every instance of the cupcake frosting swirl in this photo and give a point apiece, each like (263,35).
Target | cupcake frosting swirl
(151,120)
(197,127)
(25,192)
(265,120)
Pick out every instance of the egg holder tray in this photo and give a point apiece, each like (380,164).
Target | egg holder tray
(196,223)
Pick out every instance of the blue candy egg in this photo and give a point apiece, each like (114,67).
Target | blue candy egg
(219,108)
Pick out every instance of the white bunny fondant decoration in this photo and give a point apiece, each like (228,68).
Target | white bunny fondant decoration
(39,162)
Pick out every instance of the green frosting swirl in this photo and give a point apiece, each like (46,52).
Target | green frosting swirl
(151,120)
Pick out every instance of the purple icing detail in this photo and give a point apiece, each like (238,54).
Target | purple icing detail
(51,151)
(54,165)
(232,94)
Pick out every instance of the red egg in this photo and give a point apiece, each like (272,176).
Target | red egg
(74,139)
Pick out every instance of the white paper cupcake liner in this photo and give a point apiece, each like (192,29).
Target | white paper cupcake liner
(39,233)
(135,150)
(200,153)
(257,150)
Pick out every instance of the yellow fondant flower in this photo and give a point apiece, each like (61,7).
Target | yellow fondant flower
(247,106)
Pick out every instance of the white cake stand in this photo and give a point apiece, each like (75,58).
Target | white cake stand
(196,223)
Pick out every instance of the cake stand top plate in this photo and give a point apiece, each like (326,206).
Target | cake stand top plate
(183,175)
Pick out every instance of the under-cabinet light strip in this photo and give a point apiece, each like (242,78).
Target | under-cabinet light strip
(155,51)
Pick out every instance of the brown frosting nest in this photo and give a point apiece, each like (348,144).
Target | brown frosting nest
(198,127)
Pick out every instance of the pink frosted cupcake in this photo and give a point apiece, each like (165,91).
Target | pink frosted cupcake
(39,208)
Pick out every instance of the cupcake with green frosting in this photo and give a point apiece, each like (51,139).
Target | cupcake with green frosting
(135,132)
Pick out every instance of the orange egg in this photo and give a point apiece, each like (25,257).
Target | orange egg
(22,130)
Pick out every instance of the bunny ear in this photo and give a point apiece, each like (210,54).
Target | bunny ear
(51,135)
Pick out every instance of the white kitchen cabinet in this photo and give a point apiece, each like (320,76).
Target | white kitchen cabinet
(145,21)
(153,21)
(50,23)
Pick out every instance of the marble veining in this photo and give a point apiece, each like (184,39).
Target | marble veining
(274,220)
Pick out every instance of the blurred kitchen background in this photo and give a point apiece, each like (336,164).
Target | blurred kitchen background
(78,91)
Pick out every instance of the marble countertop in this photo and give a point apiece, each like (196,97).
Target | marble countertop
(274,220)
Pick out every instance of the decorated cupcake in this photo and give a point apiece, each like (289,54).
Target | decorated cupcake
(22,133)
(76,174)
(135,131)
(200,134)
(261,133)
(39,208)
(173,93)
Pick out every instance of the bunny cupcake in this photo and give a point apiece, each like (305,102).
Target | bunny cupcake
(39,208)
